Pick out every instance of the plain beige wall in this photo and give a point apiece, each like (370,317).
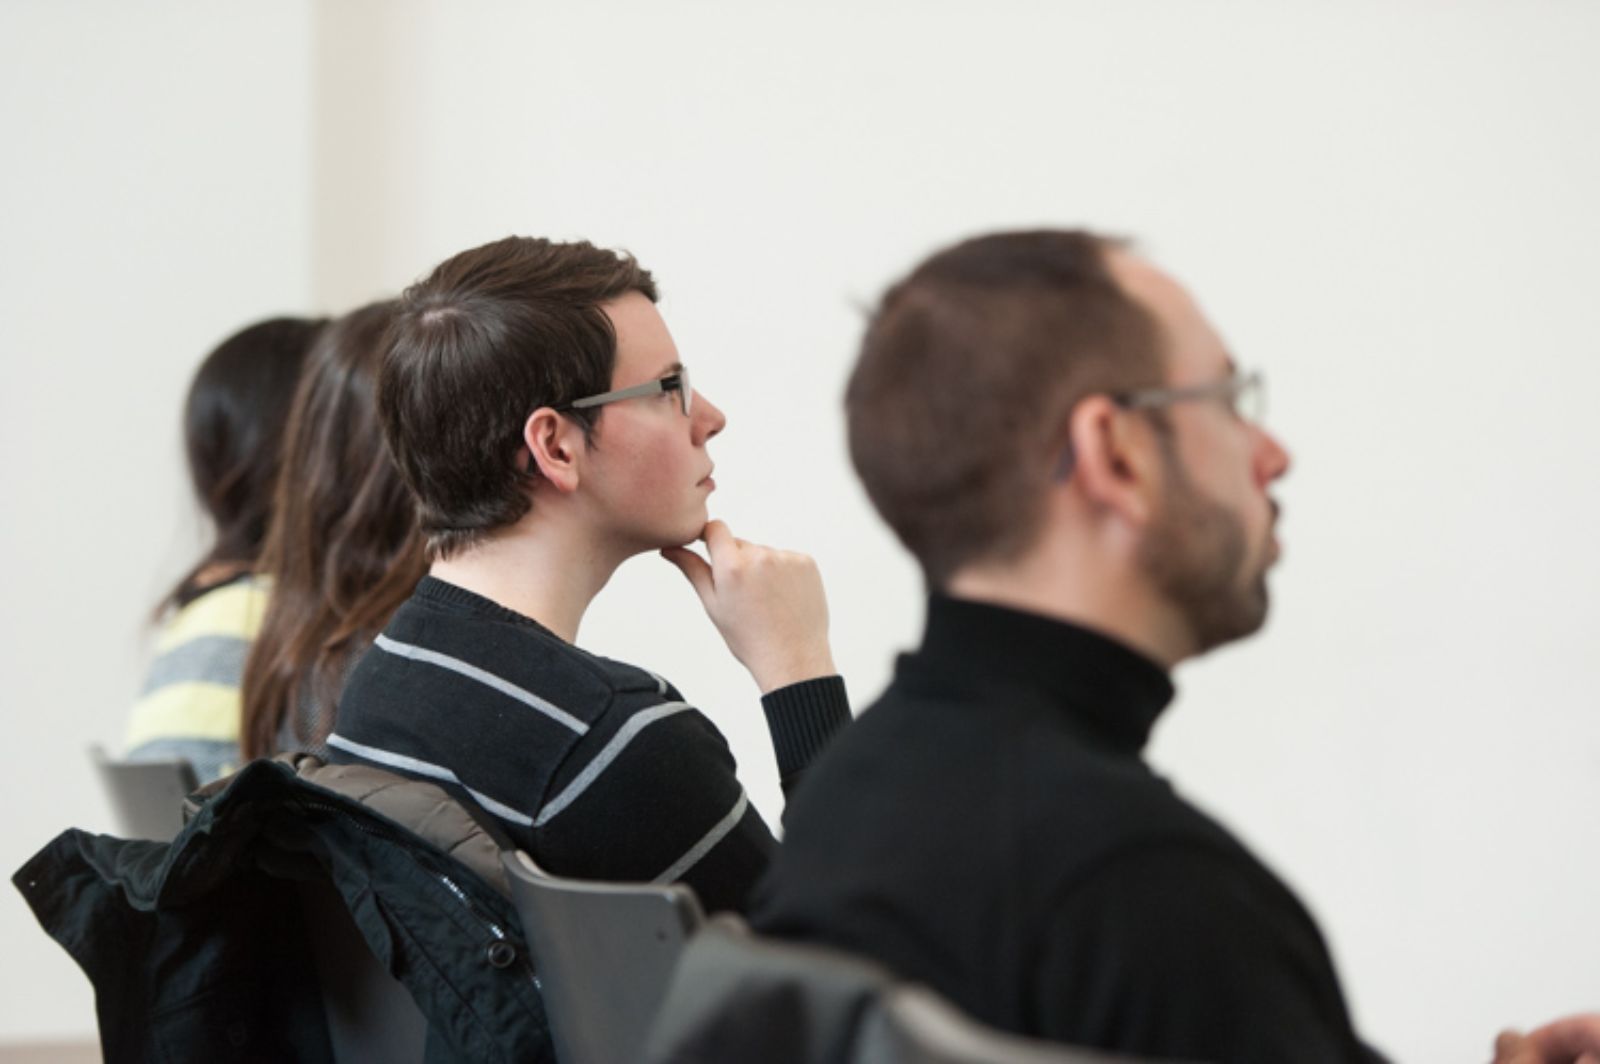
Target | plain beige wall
(156,196)
(1388,206)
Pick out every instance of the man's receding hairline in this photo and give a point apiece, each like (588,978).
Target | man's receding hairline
(1122,252)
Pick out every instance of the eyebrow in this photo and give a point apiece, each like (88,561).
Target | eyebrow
(676,367)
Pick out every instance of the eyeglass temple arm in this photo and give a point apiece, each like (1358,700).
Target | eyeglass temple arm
(1153,397)
(665,384)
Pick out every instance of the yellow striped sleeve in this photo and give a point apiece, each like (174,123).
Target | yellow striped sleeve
(235,610)
(186,711)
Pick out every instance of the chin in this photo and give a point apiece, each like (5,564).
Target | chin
(681,540)
(680,531)
(1224,619)
(686,534)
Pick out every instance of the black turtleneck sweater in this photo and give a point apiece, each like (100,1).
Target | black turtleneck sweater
(989,828)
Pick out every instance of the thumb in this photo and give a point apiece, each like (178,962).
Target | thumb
(1509,1047)
(694,569)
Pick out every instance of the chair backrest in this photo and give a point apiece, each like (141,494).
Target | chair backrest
(917,1026)
(371,1015)
(738,996)
(146,796)
(604,953)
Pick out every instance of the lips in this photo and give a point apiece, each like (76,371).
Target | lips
(706,481)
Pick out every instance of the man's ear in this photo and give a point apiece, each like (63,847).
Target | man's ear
(1116,458)
(555,442)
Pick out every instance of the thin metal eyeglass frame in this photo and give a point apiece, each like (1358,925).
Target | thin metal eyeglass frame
(677,381)
(1245,394)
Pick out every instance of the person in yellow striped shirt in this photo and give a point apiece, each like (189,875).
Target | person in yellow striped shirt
(234,417)
(189,707)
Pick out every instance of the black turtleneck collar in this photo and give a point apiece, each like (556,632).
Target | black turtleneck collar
(986,650)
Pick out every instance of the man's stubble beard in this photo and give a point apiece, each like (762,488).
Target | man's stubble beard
(1196,554)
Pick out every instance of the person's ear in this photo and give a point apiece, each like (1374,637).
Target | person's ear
(555,444)
(1115,458)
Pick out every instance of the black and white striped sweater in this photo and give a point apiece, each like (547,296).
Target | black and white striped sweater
(599,769)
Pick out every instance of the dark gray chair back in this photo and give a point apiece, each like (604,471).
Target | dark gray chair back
(738,996)
(371,1015)
(916,1026)
(146,796)
(604,953)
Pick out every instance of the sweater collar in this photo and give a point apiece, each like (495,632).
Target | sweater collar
(443,593)
(991,651)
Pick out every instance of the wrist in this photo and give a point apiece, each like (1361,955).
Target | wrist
(770,677)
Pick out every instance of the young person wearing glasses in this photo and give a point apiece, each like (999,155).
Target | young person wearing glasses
(539,411)
(989,827)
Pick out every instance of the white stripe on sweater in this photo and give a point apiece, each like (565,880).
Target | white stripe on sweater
(705,845)
(601,761)
(488,679)
(429,769)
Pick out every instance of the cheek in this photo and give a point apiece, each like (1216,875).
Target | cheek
(649,470)
(1231,478)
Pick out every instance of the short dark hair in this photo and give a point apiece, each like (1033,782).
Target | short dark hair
(970,366)
(489,336)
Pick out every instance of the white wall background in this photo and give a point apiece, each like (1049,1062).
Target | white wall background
(155,195)
(1391,207)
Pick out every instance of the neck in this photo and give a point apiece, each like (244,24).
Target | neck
(538,568)
(219,573)
(1104,593)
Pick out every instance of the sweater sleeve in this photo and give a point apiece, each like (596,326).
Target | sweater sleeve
(656,800)
(802,717)
(1178,952)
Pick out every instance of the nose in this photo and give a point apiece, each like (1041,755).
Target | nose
(1271,457)
(708,418)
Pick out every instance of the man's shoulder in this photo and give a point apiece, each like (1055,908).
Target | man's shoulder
(1133,851)
(909,731)
(1111,805)
(1003,778)
(1195,935)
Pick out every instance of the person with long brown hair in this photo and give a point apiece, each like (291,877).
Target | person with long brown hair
(343,550)
(234,418)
